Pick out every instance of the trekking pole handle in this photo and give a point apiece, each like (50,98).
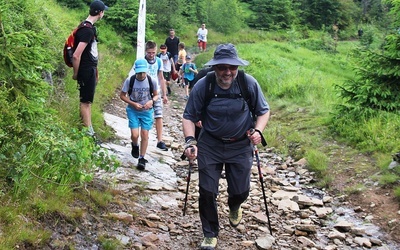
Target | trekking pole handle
(252,131)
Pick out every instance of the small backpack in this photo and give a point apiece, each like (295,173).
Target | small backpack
(69,46)
(132,81)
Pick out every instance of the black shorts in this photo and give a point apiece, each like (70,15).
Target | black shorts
(167,76)
(87,80)
(187,82)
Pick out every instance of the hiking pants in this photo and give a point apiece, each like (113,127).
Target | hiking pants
(213,154)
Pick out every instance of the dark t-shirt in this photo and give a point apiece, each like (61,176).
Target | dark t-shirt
(225,117)
(172,45)
(89,57)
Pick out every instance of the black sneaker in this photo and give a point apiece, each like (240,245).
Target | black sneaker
(141,164)
(161,145)
(135,151)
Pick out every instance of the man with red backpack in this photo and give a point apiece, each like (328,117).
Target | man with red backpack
(84,62)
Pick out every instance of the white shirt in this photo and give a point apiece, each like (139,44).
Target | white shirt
(202,34)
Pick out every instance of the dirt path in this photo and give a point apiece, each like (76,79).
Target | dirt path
(158,223)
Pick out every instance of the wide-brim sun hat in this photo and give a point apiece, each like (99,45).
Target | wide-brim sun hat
(141,66)
(226,54)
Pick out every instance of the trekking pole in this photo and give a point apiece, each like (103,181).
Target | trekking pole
(262,182)
(191,163)
(262,187)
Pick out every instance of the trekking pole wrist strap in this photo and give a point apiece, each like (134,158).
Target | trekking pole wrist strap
(263,141)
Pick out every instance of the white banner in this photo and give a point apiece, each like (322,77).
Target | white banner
(141,30)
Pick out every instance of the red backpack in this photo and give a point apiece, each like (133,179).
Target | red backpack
(69,46)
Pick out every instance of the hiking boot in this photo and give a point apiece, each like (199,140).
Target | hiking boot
(235,217)
(161,145)
(141,164)
(209,243)
(135,151)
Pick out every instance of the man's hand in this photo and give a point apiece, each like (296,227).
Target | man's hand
(191,152)
(256,137)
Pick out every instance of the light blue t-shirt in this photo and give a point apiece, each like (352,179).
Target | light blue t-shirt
(186,71)
(153,71)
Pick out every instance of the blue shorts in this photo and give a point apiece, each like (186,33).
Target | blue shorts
(140,118)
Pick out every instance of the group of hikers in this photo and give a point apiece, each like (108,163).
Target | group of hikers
(223,120)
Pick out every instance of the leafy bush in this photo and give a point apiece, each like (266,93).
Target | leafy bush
(376,87)
(36,150)
(74,3)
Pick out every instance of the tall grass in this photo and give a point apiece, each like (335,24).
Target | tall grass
(299,84)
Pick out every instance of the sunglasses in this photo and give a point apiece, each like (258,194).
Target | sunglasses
(225,67)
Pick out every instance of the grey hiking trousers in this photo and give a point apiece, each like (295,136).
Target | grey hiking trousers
(213,154)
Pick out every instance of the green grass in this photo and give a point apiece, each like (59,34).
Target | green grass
(299,85)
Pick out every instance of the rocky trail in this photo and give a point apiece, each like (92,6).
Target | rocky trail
(146,209)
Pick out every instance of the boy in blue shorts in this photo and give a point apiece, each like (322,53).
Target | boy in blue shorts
(140,111)
(188,71)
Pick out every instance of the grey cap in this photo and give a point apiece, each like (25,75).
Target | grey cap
(226,54)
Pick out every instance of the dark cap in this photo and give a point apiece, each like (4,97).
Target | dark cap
(188,57)
(226,54)
(97,6)
(163,47)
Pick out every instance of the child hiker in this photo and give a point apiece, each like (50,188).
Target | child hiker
(140,97)
(168,65)
(188,72)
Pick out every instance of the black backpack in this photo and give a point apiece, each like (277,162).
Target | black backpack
(168,54)
(132,81)
(244,91)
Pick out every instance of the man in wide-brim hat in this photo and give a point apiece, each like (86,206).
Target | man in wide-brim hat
(224,139)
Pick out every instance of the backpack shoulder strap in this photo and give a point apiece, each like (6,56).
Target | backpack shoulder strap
(83,24)
(150,85)
(131,82)
(210,86)
(244,90)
